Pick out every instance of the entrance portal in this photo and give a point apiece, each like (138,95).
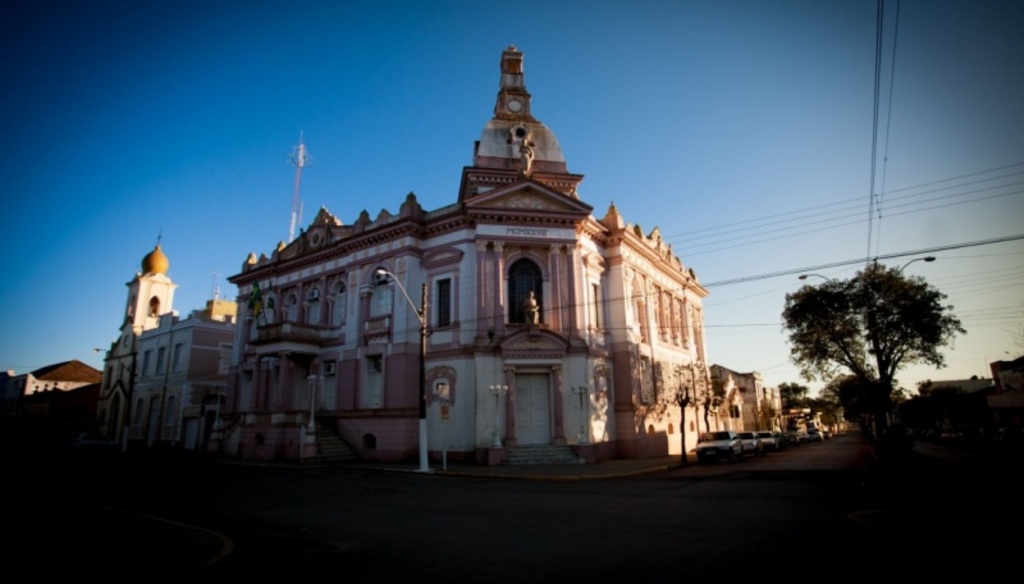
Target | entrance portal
(533,409)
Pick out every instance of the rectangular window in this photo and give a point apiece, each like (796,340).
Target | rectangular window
(177,358)
(160,359)
(145,362)
(444,302)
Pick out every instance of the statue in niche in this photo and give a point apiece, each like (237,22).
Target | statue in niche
(526,158)
(531,312)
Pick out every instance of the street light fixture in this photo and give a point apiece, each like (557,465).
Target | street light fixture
(422,315)
(924,259)
(805,276)
(497,391)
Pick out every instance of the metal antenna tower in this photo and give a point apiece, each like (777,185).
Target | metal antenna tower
(300,158)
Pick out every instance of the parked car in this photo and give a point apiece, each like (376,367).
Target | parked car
(772,440)
(90,442)
(751,444)
(815,435)
(721,445)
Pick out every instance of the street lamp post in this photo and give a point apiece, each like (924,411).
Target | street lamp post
(497,391)
(422,314)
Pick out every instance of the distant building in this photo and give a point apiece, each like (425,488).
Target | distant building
(164,376)
(968,386)
(181,377)
(747,405)
(548,326)
(9,397)
(1007,399)
(58,399)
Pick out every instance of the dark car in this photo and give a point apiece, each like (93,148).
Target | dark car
(721,445)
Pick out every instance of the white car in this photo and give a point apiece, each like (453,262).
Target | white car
(751,444)
(721,445)
(771,440)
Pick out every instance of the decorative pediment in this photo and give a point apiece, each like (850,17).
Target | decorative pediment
(441,257)
(528,196)
(534,343)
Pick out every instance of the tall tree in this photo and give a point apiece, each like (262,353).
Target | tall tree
(711,397)
(793,395)
(869,326)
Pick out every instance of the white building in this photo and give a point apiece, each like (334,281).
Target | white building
(331,327)
(164,376)
(181,378)
(747,404)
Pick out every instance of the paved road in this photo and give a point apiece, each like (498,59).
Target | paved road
(826,504)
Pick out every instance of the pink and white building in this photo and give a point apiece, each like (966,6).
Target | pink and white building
(328,343)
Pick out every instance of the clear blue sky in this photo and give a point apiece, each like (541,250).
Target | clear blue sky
(743,130)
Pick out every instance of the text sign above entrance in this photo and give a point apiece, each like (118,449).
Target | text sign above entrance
(525,231)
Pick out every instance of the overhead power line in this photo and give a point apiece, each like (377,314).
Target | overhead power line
(861,260)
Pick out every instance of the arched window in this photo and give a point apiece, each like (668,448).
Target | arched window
(523,277)
(340,304)
(154,306)
(313,306)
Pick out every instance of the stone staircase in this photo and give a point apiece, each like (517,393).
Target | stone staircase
(330,446)
(542,454)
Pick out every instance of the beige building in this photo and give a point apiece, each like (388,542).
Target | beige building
(747,405)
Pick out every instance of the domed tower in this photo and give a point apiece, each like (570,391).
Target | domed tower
(150,293)
(516,146)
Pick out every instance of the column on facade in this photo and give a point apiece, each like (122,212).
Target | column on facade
(322,297)
(554,312)
(559,390)
(365,297)
(499,288)
(510,407)
(577,295)
(454,303)
(684,326)
(283,393)
(257,384)
(484,320)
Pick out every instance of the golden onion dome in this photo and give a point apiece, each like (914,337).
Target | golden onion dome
(155,262)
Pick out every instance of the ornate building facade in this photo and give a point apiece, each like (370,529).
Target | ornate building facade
(509,318)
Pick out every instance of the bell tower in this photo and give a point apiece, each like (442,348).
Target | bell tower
(150,293)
